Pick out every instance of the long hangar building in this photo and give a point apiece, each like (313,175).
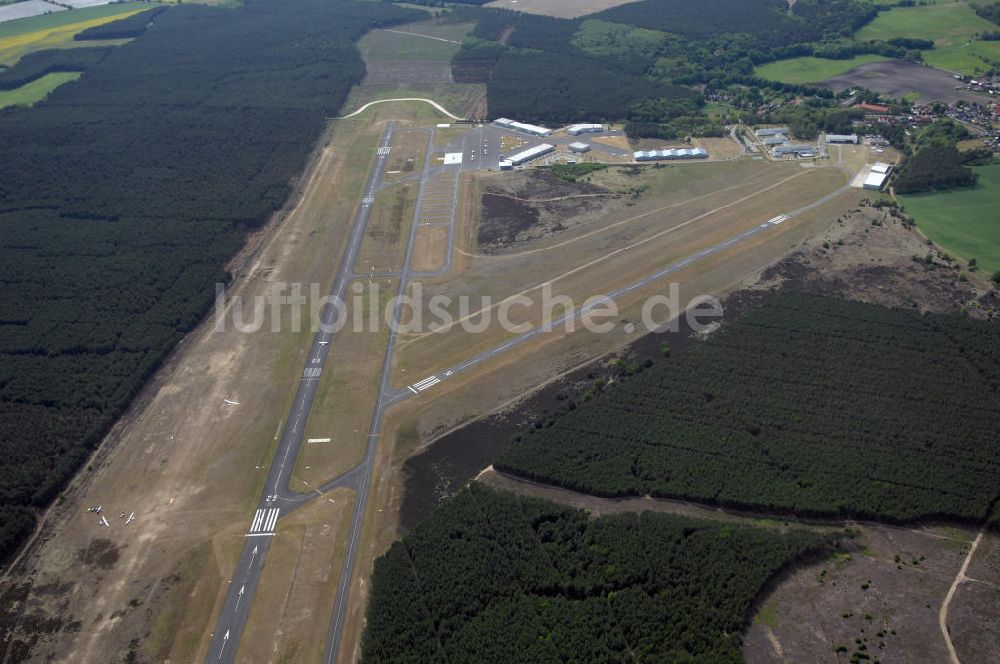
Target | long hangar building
(534,130)
(671,154)
(531,153)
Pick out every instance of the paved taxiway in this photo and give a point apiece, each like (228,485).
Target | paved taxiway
(277,498)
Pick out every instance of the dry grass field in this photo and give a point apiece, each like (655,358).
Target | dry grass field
(669,223)
(558,8)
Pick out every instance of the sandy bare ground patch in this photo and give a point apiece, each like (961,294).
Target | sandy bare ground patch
(558,8)
(869,255)
(881,599)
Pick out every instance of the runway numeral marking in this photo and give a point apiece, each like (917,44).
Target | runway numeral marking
(264,520)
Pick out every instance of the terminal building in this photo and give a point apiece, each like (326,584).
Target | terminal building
(877,177)
(579,147)
(671,154)
(577,129)
(770,131)
(774,139)
(525,156)
(534,130)
(842,138)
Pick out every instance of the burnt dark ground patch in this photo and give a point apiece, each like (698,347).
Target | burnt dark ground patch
(533,205)
(102,553)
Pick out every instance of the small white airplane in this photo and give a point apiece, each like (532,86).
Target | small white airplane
(104,522)
(95,510)
(231,403)
(131,518)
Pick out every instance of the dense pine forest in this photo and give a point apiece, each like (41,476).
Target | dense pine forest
(36,65)
(613,64)
(806,404)
(126,28)
(490,577)
(123,195)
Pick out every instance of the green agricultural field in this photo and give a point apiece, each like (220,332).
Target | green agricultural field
(39,89)
(952,27)
(963,221)
(811,70)
(59,19)
(18,38)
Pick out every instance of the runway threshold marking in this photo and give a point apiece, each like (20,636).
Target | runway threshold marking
(264,521)
(422,385)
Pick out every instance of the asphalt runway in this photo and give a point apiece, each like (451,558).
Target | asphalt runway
(277,499)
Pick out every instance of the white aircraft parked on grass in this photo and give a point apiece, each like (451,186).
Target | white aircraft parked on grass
(104,522)
(95,510)
(131,518)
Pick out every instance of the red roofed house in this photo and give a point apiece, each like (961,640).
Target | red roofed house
(875,109)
